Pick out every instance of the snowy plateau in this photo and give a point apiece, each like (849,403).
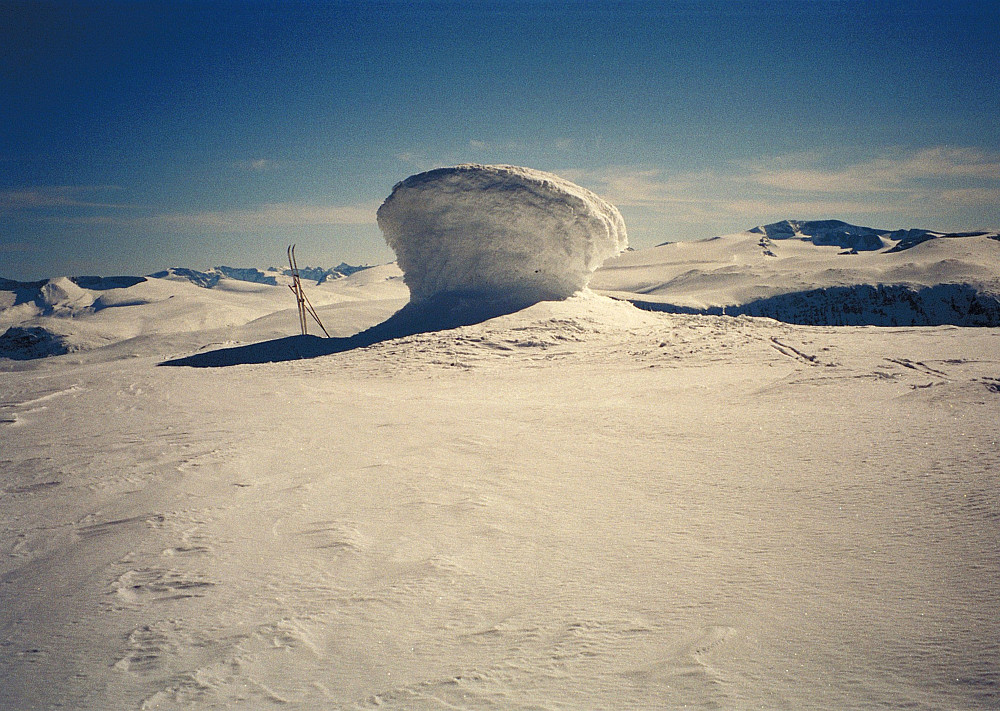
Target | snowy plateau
(760,471)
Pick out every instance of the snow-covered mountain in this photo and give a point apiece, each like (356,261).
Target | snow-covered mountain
(272,276)
(823,272)
(135,314)
(824,233)
(835,233)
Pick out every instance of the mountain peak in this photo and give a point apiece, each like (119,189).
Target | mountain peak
(825,233)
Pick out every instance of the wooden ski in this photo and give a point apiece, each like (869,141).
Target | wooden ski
(296,287)
(301,300)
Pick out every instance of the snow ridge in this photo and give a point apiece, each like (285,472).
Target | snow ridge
(823,272)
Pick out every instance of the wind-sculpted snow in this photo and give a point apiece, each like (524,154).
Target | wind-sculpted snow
(498,233)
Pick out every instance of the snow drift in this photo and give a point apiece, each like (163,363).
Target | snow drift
(498,232)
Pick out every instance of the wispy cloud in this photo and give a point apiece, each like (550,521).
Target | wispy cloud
(284,214)
(58,196)
(642,186)
(767,208)
(882,174)
(971,196)
(81,206)
(930,182)
(258,165)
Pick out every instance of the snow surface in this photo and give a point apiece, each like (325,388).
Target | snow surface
(578,505)
(496,231)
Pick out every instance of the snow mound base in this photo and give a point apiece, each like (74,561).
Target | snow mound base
(498,232)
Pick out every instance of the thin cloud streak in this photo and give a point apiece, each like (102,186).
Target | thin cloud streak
(267,215)
(806,209)
(57,196)
(971,197)
(259,165)
(62,204)
(639,186)
(930,181)
(886,174)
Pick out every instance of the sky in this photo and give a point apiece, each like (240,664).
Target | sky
(136,136)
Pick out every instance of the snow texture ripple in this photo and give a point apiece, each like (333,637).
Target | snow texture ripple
(504,232)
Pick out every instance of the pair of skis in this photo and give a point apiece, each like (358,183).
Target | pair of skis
(305,307)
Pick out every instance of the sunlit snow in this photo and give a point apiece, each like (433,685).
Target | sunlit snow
(577,505)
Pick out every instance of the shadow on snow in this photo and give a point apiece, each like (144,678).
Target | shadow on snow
(439,313)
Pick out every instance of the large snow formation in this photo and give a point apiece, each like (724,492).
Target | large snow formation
(498,232)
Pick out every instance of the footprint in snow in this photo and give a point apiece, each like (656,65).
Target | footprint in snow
(147,646)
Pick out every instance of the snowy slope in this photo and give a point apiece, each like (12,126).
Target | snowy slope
(175,313)
(823,272)
(578,505)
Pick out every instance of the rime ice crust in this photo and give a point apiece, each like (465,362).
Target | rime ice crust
(498,231)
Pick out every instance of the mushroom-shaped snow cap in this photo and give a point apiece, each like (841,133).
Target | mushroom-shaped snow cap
(498,232)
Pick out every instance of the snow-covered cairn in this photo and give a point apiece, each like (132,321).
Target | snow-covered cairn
(498,232)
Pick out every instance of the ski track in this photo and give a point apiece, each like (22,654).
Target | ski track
(557,512)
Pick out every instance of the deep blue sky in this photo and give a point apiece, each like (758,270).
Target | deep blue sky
(140,135)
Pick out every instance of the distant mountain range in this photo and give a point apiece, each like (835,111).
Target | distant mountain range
(272,275)
(821,233)
(207,278)
(834,233)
